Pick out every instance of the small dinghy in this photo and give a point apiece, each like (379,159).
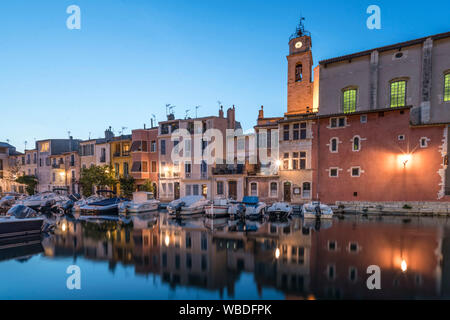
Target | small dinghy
(20,221)
(316,210)
(280,210)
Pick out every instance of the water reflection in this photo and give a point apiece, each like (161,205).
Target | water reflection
(299,259)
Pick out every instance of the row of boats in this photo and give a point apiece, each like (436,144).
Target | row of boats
(22,216)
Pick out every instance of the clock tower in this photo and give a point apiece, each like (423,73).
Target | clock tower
(300,85)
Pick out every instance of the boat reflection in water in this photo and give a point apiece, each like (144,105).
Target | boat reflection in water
(293,259)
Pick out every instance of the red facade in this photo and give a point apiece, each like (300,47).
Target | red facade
(389,161)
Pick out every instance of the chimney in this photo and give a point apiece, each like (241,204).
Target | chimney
(261,113)
(221,112)
(151,122)
(231,118)
(144,126)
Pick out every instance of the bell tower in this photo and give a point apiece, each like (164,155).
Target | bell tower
(300,61)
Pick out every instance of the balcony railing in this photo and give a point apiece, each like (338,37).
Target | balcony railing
(228,169)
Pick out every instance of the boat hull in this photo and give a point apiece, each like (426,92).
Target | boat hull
(20,227)
(314,216)
(217,211)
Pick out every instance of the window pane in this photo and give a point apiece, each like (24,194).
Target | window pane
(349,101)
(398,94)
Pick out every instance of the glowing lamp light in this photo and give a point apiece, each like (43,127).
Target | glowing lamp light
(167,240)
(278,163)
(277,253)
(166,169)
(64,227)
(404,266)
(404,159)
(62,174)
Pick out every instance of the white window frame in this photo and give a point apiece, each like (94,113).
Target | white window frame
(426,142)
(359,172)
(363,116)
(331,144)
(257,189)
(353,143)
(333,168)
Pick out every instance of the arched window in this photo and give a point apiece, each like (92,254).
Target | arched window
(254,189)
(349,100)
(334,144)
(298,72)
(356,144)
(398,93)
(306,190)
(447,87)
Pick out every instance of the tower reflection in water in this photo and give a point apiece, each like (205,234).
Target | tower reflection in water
(303,261)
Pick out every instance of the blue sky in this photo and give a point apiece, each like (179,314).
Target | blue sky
(131,57)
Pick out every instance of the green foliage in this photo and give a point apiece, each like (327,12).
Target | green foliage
(127,186)
(147,186)
(30,183)
(407,206)
(96,176)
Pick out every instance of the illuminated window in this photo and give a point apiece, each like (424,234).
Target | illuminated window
(447,87)
(349,100)
(398,94)
(45,147)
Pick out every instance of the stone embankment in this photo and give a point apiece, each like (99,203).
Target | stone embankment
(393,208)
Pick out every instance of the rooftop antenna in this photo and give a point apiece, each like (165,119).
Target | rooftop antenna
(123,129)
(26,142)
(171,109)
(186,116)
(68,133)
(196,109)
(89,135)
(219,103)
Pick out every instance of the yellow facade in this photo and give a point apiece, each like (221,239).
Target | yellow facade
(121,158)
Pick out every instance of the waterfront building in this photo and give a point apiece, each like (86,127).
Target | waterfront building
(48,152)
(10,168)
(192,175)
(382,128)
(120,157)
(30,167)
(96,151)
(66,171)
(144,154)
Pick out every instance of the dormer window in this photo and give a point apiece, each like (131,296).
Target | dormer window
(298,72)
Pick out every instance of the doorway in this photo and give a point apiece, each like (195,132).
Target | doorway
(232,190)
(177,190)
(287,192)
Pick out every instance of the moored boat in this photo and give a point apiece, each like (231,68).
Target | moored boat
(316,210)
(280,210)
(218,208)
(187,206)
(142,202)
(249,208)
(109,206)
(20,221)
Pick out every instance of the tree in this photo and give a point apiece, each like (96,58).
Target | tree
(127,186)
(30,183)
(96,176)
(147,186)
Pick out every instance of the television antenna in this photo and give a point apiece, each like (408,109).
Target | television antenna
(26,142)
(196,109)
(186,116)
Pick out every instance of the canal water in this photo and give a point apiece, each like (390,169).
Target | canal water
(156,257)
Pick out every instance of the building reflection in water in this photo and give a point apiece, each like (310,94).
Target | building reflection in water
(301,261)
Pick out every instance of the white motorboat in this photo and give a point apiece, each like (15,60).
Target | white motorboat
(40,200)
(218,208)
(83,202)
(249,208)
(189,205)
(142,202)
(280,210)
(316,210)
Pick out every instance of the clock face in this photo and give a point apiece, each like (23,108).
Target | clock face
(298,45)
